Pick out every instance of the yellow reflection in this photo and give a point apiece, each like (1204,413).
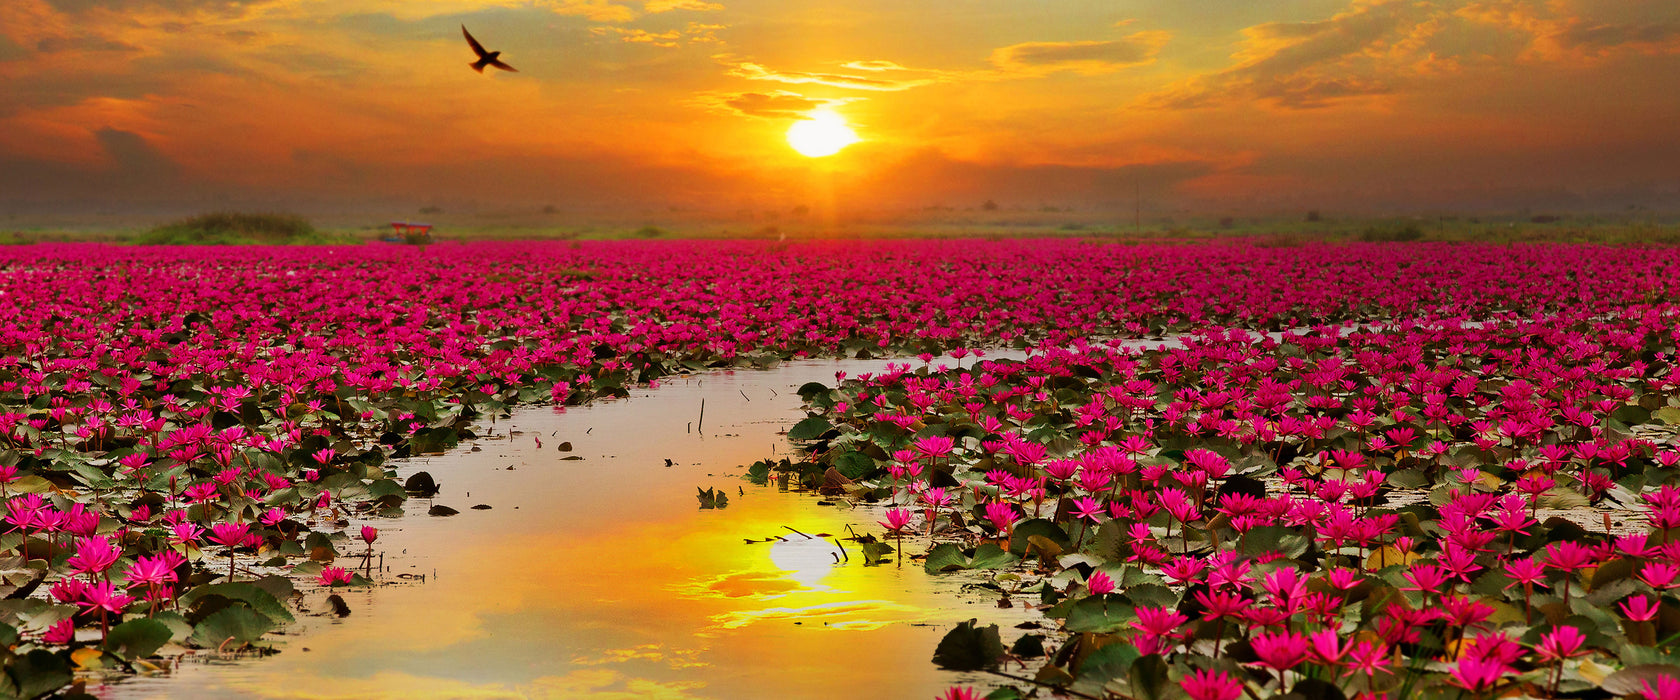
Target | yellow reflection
(740,584)
(847,615)
(806,560)
(674,658)
(602,684)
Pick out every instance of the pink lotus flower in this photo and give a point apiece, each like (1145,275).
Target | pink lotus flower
(1667,688)
(230,534)
(1280,651)
(1560,643)
(60,633)
(897,519)
(94,555)
(104,597)
(334,576)
(152,571)
(1639,608)
(1477,675)
(1206,684)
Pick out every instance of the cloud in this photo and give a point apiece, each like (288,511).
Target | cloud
(1304,65)
(774,105)
(81,42)
(1084,57)
(756,71)
(657,6)
(693,33)
(1308,92)
(134,157)
(1602,37)
(592,10)
(872,65)
(1582,30)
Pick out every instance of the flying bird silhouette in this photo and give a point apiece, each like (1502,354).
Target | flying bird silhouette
(485,58)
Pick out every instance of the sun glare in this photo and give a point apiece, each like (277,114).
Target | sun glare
(821,133)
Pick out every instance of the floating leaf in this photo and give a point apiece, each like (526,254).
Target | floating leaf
(1028,646)
(1107,663)
(1408,479)
(874,553)
(968,648)
(810,429)
(1038,526)
(260,600)
(1274,538)
(1148,677)
(37,673)
(945,556)
(854,465)
(233,626)
(137,639)
(1100,613)
(1628,682)
(949,557)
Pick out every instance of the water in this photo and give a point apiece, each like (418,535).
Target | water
(600,578)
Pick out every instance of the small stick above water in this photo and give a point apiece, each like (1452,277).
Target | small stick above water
(702,425)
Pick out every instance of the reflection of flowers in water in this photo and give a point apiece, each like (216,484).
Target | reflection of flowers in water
(674,658)
(843,615)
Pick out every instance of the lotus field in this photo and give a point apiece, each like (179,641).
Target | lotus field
(1401,470)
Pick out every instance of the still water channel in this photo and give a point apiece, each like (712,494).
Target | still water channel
(600,578)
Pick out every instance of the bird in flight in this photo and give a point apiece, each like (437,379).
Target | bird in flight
(485,58)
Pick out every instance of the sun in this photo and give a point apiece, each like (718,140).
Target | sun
(821,133)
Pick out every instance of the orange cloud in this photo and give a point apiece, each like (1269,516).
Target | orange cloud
(658,6)
(1303,65)
(693,33)
(593,10)
(755,71)
(776,104)
(1084,57)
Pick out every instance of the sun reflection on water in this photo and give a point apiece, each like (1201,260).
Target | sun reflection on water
(807,560)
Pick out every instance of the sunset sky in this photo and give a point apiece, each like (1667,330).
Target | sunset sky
(1218,104)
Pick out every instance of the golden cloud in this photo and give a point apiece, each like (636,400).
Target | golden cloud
(658,6)
(1084,57)
(755,71)
(592,10)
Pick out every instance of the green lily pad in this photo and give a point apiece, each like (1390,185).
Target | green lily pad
(1100,613)
(235,625)
(137,639)
(810,428)
(37,673)
(260,600)
(949,557)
